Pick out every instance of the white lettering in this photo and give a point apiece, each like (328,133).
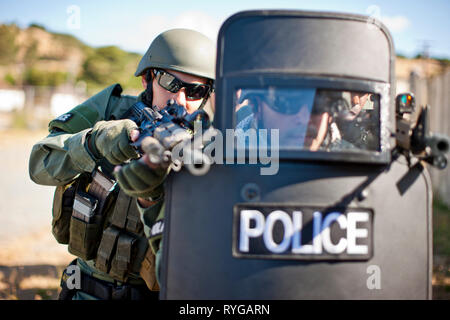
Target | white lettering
(353,232)
(196,310)
(214,144)
(264,158)
(317,237)
(182,311)
(246,309)
(316,246)
(265,309)
(241,309)
(284,218)
(229,145)
(297,226)
(242,145)
(254,224)
(246,232)
(326,233)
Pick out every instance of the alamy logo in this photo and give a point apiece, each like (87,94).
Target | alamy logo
(252,145)
(74,279)
(374,280)
(74,19)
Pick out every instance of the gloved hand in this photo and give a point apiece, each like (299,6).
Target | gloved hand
(137,179)
(111,140)
(144,178)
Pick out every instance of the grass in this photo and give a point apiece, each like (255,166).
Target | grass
(441,228)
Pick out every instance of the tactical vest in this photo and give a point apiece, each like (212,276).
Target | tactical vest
(92,215)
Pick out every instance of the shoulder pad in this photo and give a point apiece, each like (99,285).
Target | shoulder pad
(86,114)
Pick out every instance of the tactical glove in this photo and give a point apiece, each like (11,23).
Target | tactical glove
(137,179)
(111,140)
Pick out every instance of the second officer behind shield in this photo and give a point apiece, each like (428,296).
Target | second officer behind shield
(307,118)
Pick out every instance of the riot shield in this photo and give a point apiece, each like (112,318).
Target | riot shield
(334,214)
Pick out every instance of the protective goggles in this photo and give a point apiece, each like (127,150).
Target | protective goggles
(171,83)
(285,101)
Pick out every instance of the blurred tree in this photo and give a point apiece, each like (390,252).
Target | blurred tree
(36,77)
(8,46)
(37,25)
(31,54)
(100,67)
(9,78)
(107,65)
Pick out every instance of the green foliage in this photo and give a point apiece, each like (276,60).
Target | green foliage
(37,26)
(444,61)
(9,78)
(8,46)
(107,65)
(38,77)
(101,67)
(68,40)
(133,83)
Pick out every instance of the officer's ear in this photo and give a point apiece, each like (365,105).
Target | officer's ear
(144,81)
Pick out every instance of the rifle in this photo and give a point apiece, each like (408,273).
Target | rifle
(415,138)
(170,126)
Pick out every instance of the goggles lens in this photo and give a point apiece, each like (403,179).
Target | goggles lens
(171,83)
(287,102)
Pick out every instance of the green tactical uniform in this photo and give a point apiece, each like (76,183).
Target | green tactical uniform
(62,156)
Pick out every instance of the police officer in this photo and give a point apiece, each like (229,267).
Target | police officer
(299,123)
(100,223)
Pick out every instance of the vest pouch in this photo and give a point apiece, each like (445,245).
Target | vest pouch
(85,226)
(106,249)
(62,211)
(148,270)
(125,253)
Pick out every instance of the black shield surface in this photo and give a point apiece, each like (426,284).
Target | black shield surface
(200,260)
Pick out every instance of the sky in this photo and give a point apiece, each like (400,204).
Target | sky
(133,24)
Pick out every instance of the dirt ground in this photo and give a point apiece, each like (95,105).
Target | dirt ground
(31,261)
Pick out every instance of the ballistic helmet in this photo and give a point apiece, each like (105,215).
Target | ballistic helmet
(181,50)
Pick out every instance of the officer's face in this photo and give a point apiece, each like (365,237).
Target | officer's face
(161,96)
(300,129)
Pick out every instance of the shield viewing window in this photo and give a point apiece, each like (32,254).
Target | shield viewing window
(310,119)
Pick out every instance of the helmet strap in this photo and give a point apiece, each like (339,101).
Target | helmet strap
(202,105)
(147,97)
(205,99)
